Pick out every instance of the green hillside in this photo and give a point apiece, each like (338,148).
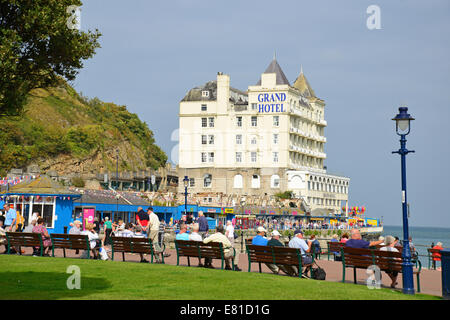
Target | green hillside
(59,123)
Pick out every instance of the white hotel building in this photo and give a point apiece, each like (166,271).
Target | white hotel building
(266,140)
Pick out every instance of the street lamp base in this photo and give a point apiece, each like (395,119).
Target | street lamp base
(408,291)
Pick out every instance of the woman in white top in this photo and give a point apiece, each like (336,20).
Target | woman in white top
(93,237)
(390,243)
(229,231)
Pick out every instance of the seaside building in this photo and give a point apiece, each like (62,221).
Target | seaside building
(266,140)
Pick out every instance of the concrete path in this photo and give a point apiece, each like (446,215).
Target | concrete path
(430,280)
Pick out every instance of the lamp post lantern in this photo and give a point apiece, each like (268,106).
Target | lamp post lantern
(186,183)
(403,121)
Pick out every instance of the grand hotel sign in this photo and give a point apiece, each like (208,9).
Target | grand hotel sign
(271,102)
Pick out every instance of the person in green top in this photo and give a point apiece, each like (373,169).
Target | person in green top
(108,230)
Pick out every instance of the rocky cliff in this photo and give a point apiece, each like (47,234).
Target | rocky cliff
(63,131)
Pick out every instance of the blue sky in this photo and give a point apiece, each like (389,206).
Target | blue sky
(154,52)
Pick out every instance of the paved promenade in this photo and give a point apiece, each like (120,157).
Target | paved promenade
(430,280)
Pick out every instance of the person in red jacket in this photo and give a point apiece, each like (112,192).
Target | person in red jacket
(436,255)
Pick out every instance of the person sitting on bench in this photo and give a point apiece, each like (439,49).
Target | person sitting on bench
(299,243)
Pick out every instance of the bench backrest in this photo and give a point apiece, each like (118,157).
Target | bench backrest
(388,260)
(357,257)
(385,260)
(70,241)
(274,254)
(130,244)
(335,246)
(26,239)
(190,248)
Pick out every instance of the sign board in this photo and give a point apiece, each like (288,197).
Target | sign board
(88,216)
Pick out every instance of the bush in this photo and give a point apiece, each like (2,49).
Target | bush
(78,182)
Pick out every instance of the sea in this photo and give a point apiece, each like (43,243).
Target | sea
(422,238)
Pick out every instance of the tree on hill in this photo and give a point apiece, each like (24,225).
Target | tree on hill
(37,47)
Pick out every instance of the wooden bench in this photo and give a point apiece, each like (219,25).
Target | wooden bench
(134,245)
(24,239)
(275,255)
(198,249)
(364,258)
(334,247)
(70,241)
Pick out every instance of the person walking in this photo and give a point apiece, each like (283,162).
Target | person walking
(108,231)
(202,224)
(153,232)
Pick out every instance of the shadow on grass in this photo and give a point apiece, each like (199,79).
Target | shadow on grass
(47,286)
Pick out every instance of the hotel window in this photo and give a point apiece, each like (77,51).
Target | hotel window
(211,157)
(203,107)
(239,121)
(191,182)
(238,181)
(255,181)
(211,122)
(207,179)
(211,139)
(254,106)
(254,121)
(204,122)
(275,181)
(203,156)
(238,156)
(253,140)
(203,139)
(205,93)
(275,138)
(276,121)
(253,156)
(275,157)
(239,139)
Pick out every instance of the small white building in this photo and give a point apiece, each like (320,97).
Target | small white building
(266,140)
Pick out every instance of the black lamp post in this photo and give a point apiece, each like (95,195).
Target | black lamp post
(186,184)
(403,120)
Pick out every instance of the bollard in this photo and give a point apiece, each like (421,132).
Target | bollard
(445,273)
(65,229)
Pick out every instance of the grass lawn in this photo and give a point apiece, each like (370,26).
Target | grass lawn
(25,277)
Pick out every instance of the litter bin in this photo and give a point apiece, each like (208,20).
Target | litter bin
(445,264)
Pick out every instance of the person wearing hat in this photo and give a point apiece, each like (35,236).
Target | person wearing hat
(305,247)
(275,241)
(259,239)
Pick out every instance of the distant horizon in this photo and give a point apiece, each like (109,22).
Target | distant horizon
(385,225)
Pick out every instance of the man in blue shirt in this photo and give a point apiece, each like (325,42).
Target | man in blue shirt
(259,239)
(357,242)
(182,235)
(299,243)
(10,218)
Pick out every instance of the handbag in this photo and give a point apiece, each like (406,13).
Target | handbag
(318,273)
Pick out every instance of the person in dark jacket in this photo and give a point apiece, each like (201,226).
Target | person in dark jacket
(202,224)
(275,241)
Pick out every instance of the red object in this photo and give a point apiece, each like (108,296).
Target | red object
(437,256)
